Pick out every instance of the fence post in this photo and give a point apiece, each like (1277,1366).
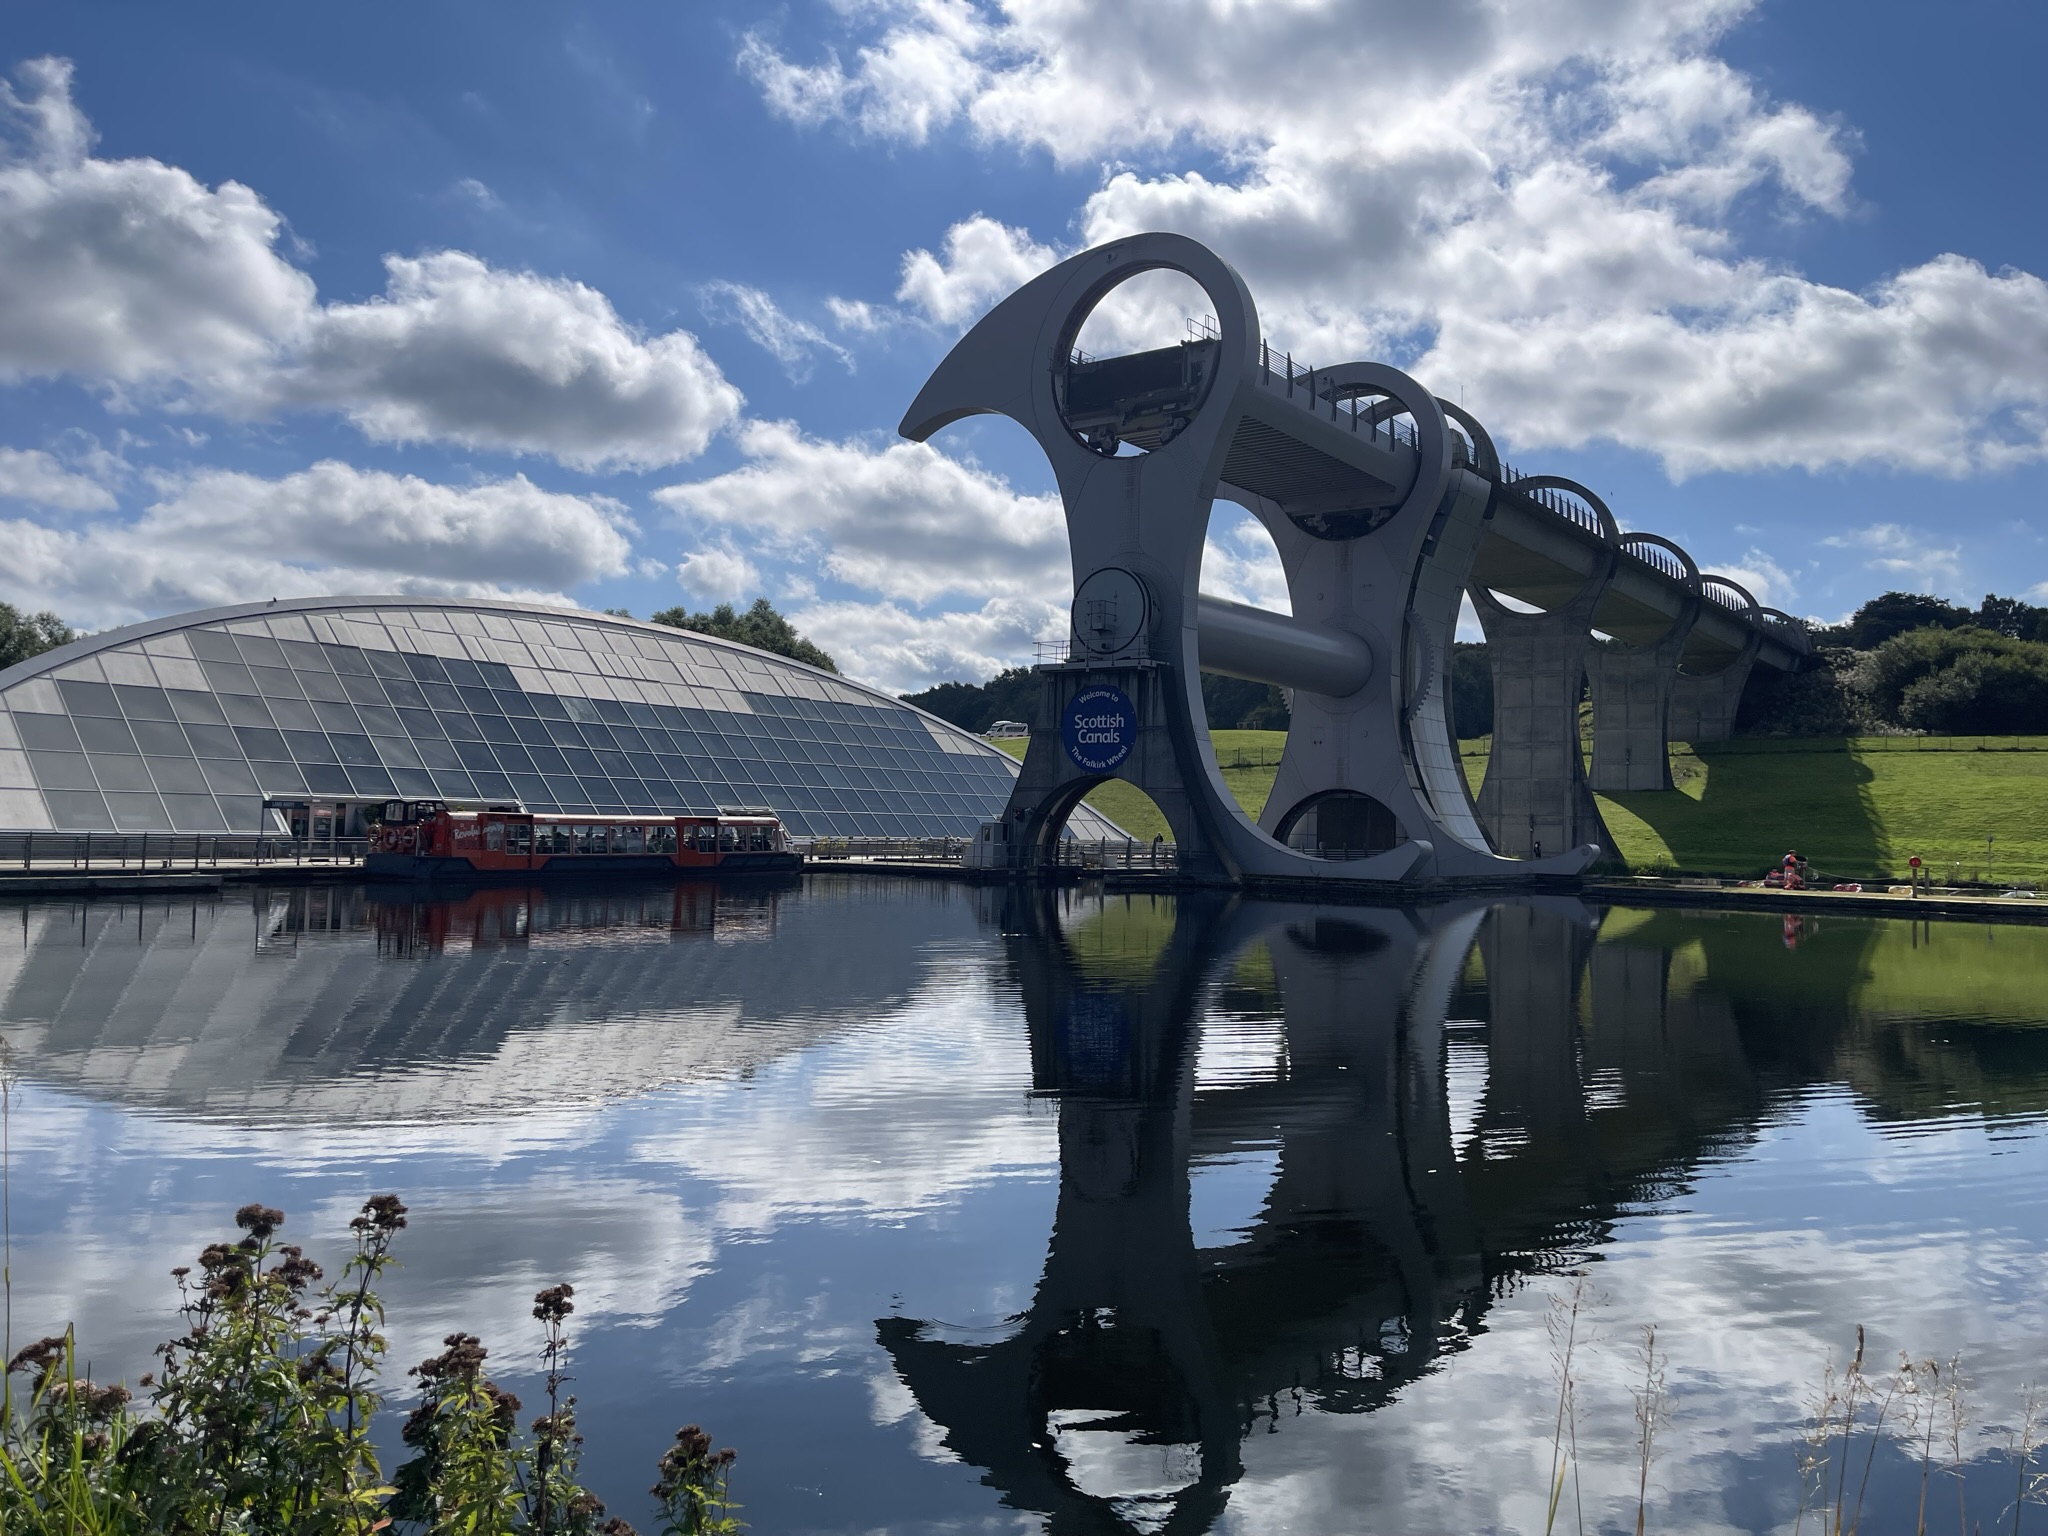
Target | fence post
(88,853)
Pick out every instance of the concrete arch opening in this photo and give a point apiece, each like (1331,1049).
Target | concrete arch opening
(1141,356)
(1340,824)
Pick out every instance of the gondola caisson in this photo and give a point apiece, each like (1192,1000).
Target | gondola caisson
(428,840)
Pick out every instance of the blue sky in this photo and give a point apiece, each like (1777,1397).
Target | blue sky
(620,306)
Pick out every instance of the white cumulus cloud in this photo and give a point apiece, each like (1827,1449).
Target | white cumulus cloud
(1529,202)
(30,475)
(1906,555)
(223,537)
(136,279)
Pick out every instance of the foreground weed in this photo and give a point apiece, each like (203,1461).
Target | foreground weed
(258,1419)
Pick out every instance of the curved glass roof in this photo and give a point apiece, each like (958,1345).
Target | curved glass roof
(194,723)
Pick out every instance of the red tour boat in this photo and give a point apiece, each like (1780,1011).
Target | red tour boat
(426,840)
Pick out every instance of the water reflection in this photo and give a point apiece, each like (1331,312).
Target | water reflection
(1128,1210)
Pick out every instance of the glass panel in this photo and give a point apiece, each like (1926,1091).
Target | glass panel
(454,786)
(280,778)
(49,733)
(437,755)
(494,786)
(463,671)
(646,764)
(405,692)
(444,696)
(327,779)
(598,791)
(76,811)
(242,709)
(62,770)
(336,717)
(160,739)
(311,747)
(414,782)
(614,764)
(138,813)
(178,774)
(354,748)
(458,727)
(548,759)
(564,733)
(213,645)
(363,689)
(581,762)
(530,730)
(420,723)
(397,752)
(121,772)
(244,813)
(197,708)
(228,677)
(194,813)
(323,685)
(497,675)
(478,701)
(611,711)
(347,658)
(229,778)
(380,720)
(372,781)
(512,701)
(83,698)
(477,756)
(390,666)
(105,735)
(627,739)
(532,788)
(567,793)
(547,706)
(277,682)
(513,759)
(140,703)
(305,655)
(496,728)
(295,714)
(213,741)
(581,710)
(260,650)
(427,669)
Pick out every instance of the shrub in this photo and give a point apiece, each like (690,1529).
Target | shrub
(258,1420)
(1959,680)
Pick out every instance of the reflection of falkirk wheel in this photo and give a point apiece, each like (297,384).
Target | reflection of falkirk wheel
(1376,525)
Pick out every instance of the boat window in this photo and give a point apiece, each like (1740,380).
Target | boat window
(589,839)
(494,836)
(728,839)
(629,840)
(662,839)
(707,838)
(518,837)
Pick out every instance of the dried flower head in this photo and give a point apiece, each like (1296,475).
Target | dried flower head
(40,1359)
(259,1221)
(381,1213)
(553,1304)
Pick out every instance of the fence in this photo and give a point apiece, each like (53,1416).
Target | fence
(1106,855)
(918,850)
(168,850)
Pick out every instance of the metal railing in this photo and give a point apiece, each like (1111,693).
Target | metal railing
(1299,382)
(888,850)
(1109,855)
(168,851)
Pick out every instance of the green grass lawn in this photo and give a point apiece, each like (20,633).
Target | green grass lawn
(1857,809)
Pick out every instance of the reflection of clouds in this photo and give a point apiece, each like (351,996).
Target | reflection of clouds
(1760,1271)
(885,1122)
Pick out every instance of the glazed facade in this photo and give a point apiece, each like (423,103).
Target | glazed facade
(232,719)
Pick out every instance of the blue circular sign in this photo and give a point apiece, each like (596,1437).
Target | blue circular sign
(1099,728)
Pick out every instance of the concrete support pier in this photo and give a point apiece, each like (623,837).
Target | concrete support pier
(1708,688)
(1631,675)
(1536,799)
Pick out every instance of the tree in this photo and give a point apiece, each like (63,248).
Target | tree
(1471,690)
(977,706)
(1235,704)
(760,626)
(2013,618)
(1895,613)
(23,635)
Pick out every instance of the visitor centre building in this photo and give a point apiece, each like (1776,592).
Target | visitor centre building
(270,718)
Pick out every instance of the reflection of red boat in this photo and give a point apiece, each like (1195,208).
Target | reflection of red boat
(425,840)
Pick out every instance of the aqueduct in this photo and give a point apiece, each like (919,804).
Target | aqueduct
(1387,504)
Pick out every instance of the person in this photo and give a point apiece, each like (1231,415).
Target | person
(1792,871)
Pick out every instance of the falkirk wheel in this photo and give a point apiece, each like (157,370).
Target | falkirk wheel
(1376,493)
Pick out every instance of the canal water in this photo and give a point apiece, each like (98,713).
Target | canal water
(979,1210)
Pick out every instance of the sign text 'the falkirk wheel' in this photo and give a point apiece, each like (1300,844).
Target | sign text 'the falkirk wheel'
(1375,493)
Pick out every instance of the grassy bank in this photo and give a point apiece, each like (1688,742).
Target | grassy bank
(1857,808)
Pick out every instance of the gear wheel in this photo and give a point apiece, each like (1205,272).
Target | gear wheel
(1423,658)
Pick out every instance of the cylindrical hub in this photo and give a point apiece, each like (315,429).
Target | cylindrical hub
(1272,648)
